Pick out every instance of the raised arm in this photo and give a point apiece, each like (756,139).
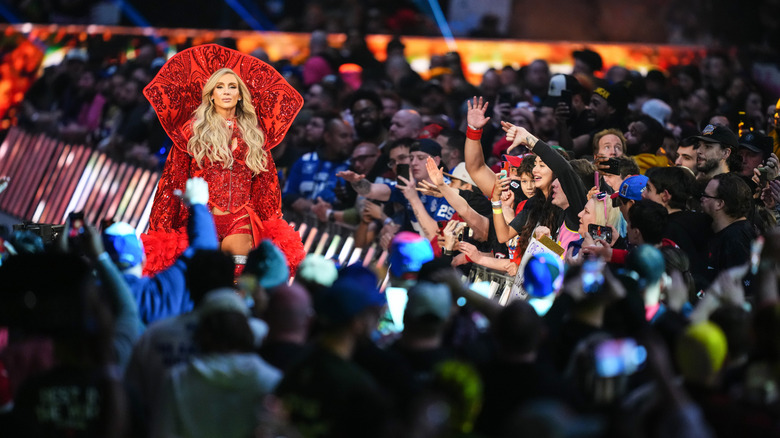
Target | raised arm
(487,260)
(503,231)
(474,157)
(427,223)
(480,224)
(364,187)
(570,182)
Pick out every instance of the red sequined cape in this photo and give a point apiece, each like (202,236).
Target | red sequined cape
(174,94)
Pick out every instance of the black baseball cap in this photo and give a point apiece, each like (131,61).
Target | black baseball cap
(757,142)
(718,134)
(428,146)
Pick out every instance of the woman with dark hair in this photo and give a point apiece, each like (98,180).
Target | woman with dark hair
(539,209)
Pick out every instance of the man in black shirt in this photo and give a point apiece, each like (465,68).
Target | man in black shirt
(326,393)
(691,231)
(726,199)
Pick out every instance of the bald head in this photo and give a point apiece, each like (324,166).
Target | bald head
(289,313)
(405,124)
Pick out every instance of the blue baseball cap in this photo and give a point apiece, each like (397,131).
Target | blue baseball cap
(355,290)
(123,245)
(543,275)
(632,188)
(408,252)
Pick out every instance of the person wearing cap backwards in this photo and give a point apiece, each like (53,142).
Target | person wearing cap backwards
(326,394)
(166,293)
(717,151)
(423,211)
(573,124)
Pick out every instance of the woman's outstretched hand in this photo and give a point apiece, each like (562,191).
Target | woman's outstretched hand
(475,116)
(518,136)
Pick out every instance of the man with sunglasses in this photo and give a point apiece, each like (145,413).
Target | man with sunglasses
(727,200)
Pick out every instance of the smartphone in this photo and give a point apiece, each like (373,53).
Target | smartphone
(505,167)
(506,97)
(619,357)
(465,232)
(597,180)
(755,254)
(613,166)
(600,232)
(592,276)
(762,176)
(402,170)
(76,223)
(566,98)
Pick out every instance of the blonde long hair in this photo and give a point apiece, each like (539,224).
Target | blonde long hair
(613,215)
(211,136)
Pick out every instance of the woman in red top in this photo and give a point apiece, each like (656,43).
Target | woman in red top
(225,142)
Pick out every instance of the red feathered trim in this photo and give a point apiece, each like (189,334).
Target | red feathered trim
(162,249)
(286,238)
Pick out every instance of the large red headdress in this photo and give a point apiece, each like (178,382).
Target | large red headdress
(176,90)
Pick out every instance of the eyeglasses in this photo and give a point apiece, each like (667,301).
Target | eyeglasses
(704,195)
(400,159)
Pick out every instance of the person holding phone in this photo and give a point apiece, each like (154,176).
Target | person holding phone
(568,190)
(422,211)
(609,146)
(538,211)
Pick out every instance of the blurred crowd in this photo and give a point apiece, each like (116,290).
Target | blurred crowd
(637,213)
(719,22)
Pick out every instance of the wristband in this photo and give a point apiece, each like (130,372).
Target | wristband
(498,211)
(388,220)
(496,204)
(329,215)
(447,252)
(473,134)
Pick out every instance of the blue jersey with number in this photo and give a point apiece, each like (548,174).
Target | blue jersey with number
(438,208)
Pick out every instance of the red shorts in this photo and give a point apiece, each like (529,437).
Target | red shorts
(232,223)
